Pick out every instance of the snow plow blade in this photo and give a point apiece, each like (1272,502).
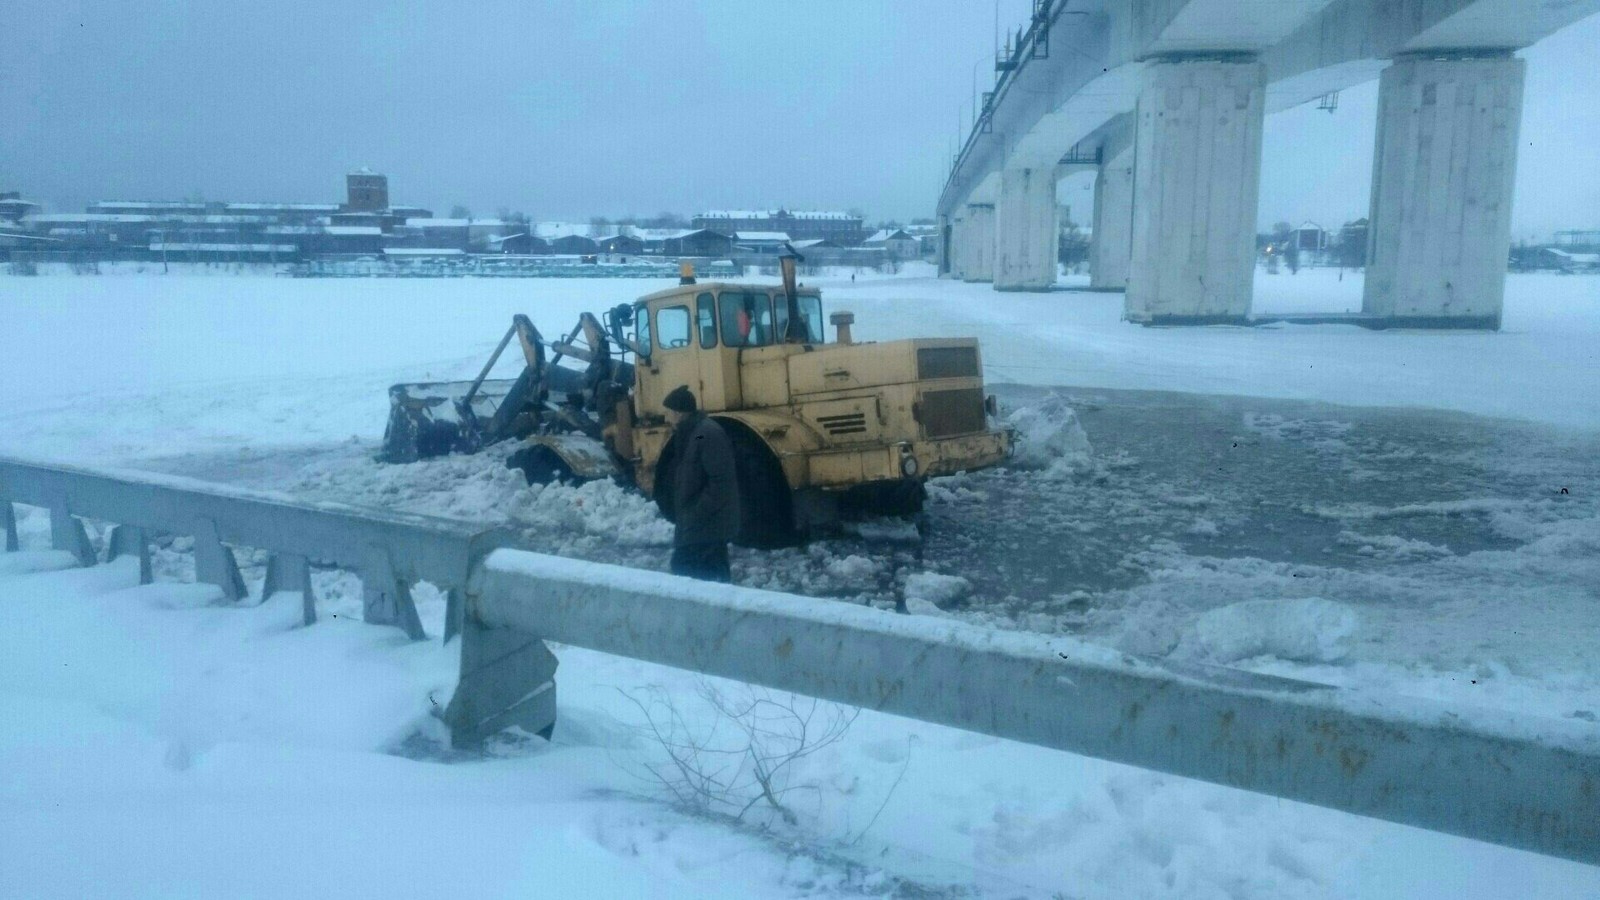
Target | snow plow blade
(428,420)
(440,418)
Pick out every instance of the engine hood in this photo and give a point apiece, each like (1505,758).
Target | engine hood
(837,368)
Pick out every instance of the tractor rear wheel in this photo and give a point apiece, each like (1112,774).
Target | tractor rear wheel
(766,517)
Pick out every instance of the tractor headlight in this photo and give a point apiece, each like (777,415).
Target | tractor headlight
(909,466)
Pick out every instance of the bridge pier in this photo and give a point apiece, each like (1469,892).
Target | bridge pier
(1443,171)
(943,247)
(1197,173)
(1026,239)
(956,264)
(1113,223)
(980,243)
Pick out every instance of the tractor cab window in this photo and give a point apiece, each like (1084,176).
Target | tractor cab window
(705,320)
(746,319)
(672,327)
(810,313)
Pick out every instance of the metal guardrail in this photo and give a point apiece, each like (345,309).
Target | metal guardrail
(1524,782)
(390,551)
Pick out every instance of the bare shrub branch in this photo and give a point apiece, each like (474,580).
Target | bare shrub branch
(742,756)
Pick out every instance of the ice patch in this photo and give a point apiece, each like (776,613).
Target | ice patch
(933,588)
(949,489)
(853,570)
(1391,546)
(1320,435)
(1050,439)
(886,530)
(1307,629)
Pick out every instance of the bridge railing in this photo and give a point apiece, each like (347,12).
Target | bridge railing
(1030,43)
(1526,782)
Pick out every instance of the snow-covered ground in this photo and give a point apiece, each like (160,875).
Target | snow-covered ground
(160,744)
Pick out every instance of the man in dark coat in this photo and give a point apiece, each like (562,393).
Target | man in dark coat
(698,490)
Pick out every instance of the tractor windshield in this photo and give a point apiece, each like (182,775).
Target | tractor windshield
(759,319)
(746,319)
(810,312)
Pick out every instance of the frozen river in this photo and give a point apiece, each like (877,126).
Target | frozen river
(1417,513)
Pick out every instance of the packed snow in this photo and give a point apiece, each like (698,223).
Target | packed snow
(147,724)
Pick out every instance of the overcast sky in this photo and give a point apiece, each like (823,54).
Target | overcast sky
(573,110)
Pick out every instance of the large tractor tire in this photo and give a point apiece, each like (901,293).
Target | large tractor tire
(766,505)
(541,465)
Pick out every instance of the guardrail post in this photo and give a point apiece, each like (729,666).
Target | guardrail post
(66,533)
(385,598)
(507,679)
(130,540)
(455,611)
(214,562)
(291,572)
(13,544)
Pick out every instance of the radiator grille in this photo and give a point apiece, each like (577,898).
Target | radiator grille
(947,413)
(849,423)
(947,362)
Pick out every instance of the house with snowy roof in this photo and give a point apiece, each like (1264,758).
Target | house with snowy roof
(760,243)
(896,242)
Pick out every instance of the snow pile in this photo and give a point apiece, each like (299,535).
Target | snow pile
(930,589)
(1307,629)
(1050,439)
(602,508)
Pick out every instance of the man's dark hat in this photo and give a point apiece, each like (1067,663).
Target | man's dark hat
(680,400)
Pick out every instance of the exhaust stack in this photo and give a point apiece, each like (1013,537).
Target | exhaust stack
(842,321)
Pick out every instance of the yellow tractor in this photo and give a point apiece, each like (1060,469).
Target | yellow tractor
(822,430)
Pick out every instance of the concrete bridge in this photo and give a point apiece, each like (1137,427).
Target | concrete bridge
(1165,100)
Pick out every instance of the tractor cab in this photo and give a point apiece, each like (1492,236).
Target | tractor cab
(720,339)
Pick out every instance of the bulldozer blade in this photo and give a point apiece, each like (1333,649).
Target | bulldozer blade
(428,420)
(437,419)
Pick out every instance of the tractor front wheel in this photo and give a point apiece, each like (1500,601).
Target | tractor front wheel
(541,465)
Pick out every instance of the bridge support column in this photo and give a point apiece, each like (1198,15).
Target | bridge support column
(1446,159)
(1026,239)
(960,251)
(943,246)
(1113,223)
(980,243)
(1197,173)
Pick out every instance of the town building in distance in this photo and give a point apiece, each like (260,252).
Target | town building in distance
(843,229)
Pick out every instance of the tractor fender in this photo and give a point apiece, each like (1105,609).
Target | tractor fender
(788,439)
